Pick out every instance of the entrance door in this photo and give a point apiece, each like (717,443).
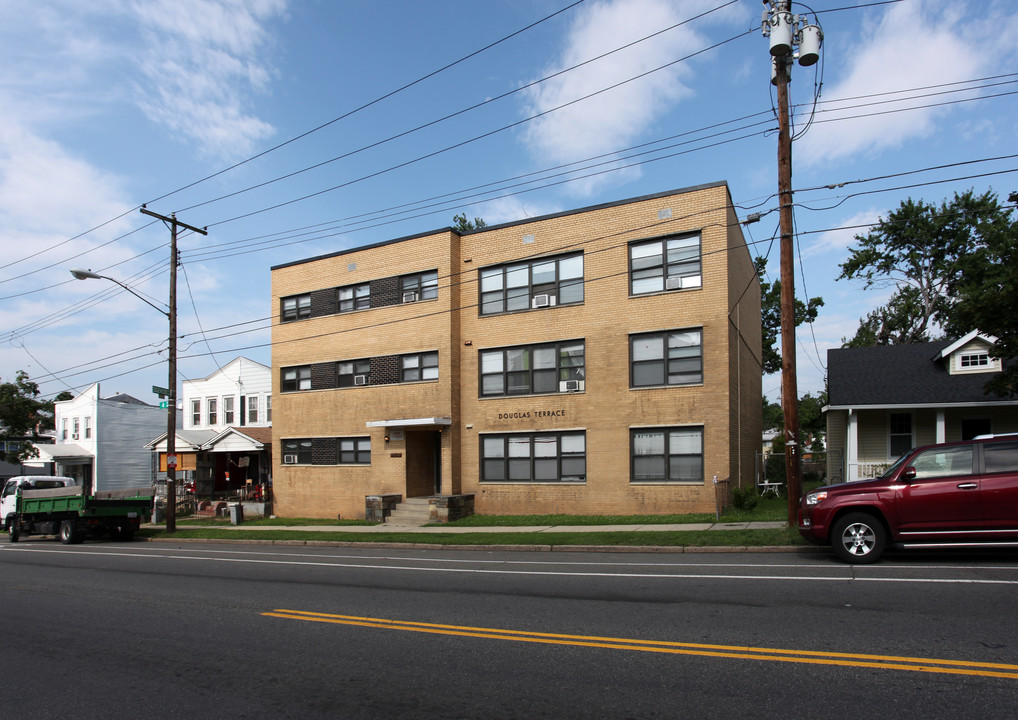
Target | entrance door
(423,463)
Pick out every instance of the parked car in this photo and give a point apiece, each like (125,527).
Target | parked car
(952,495)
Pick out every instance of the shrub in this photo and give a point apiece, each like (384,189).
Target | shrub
(744,498)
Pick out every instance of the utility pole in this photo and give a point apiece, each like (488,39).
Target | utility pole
(784,31)
(171,418)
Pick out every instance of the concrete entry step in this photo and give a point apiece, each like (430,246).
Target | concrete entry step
(412,512)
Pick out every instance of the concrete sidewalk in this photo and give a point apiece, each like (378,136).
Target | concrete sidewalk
(393,528)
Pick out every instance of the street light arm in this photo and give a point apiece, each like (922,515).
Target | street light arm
(89,275)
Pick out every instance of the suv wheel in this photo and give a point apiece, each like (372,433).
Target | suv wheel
(858,538)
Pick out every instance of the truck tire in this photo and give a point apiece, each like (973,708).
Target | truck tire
(858,538)
(69,534)
(12,531)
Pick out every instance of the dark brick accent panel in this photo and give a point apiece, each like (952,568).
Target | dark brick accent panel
(385,291)
(324,451)
(323,302)
(323,376)
(385,370)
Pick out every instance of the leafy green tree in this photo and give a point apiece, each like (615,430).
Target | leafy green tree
(812,423)
(770,309)
(773,416)
(21,412)
(464,225)
(985,293)
(919,250)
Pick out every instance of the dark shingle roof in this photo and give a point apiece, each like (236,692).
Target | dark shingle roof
(900,375)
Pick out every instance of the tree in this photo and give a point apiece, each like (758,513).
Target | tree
(464,225)
(919,250)
(770,309)
(20,413)
(985,293)
(812,423)
(773,416)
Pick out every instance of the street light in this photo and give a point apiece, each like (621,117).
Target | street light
(171,416)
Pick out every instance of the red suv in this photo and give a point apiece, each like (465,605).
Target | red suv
(952,495)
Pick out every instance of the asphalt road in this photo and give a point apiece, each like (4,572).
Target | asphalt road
(165,630)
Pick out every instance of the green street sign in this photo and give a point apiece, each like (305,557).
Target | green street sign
(161,392)
(164,405)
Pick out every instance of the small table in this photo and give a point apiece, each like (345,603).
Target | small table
(769,487)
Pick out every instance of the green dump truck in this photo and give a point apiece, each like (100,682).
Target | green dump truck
(57,506)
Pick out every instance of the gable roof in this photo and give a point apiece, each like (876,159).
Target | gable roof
(901,375)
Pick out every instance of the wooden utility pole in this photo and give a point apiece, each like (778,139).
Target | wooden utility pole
(171,417)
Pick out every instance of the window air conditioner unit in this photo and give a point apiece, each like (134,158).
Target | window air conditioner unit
(540,301)
(409,297)
(570,386)
(676,282)
(360,379)
(289,459)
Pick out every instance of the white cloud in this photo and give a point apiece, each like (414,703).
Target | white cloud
(613,119)
(914,44)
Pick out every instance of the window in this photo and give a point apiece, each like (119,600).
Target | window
(354,451)
(532,369)
(423,366)
(667,455)
(354,297)
(1001,457)
(299,450)
(252,408)
(295,379)
(671,263)
(213,411)
(195,413)
(976,359)
(534,457)
(900,434)
(228,410)
(354,372)
(268,408)
(532,283)
(77,428)
(421,286)
(63,431)
(88,428)
(296,307)
(943,462)
(669,358)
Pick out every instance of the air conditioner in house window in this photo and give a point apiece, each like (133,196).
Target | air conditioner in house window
(360,379)
(570,386)
(289,459)
(677,282)
(409,297)
(540,301)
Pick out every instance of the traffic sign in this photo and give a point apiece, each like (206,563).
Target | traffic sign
(171,461)
(164,405)
(160,391)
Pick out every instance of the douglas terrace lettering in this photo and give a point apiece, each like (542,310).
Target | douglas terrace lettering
(527,415)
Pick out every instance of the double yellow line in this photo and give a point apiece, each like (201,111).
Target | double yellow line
(882,662)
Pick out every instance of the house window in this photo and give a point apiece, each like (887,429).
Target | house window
(422,366)
(63,431)
(354,297)
(195,413)
(295,379)
(268,408)
(296,307)
(213,413)
(531,284)
(298,451)
(420,286)
(77,428)
(354,451)
(353,372)
(671,263)
(252,409)
(88,428)
(669,358)
(228,410)
(975,360)
(672,455)
(534,457)
(900,425)
(532,369)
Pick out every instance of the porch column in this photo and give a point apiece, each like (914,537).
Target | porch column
(941,426)
(852,448)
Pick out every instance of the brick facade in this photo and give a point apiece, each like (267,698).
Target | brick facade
(429,434)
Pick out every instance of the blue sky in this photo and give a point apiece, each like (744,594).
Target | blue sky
(292,129)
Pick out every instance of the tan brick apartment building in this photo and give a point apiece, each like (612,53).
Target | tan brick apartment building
(604,360)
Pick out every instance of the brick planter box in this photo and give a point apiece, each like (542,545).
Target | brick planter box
(447,508)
